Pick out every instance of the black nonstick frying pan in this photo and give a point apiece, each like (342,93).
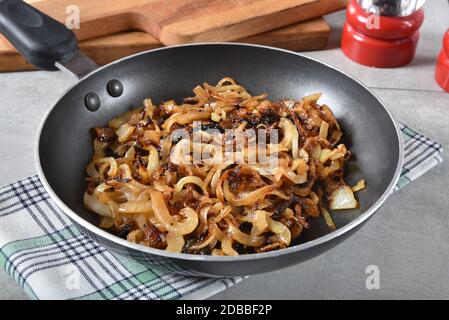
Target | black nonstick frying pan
(64,142)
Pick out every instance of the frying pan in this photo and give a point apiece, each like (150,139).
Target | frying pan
(64,143)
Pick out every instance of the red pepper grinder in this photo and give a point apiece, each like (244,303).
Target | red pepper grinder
(442,72)
(382,33)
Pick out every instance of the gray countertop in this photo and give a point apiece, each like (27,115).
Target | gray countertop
(408,239)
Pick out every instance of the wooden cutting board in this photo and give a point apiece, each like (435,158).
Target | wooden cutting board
(185,21)
(309,35)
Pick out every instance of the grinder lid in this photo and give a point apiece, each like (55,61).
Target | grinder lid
(391,8)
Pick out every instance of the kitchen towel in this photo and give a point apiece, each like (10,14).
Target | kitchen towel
(50,259)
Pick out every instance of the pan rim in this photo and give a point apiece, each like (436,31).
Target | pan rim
(192,257)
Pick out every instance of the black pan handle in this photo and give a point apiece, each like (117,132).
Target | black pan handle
(42,40)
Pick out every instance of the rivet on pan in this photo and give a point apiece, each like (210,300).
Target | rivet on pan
(92,101)
(115,88)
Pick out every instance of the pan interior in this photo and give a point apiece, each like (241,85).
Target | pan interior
(65,144)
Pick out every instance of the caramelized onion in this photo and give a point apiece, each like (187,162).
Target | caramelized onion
(160,209)
(145,175)
(153,159)
(124,132)
(175,242)
(243,238)
(193,180)
(343,198)
(280,230)
(245,199)
(226,246)
(96,206)
(135,206)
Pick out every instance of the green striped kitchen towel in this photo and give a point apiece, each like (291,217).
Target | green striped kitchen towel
(50,259)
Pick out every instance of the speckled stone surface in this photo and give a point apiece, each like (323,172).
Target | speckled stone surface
(407,239)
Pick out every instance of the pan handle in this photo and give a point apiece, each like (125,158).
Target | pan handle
(43,41)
